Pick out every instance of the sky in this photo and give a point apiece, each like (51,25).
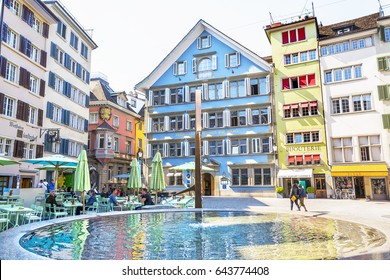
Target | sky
(133,37)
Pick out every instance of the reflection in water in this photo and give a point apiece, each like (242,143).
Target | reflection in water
(207,235)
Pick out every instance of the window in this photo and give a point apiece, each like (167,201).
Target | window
(84,50)
(11,71)
(116,121)
(302,137)
(300,57)
(232,60)
(216,147)
(204,42)
(14,7)
(37,25)
(215,91)
(304,159)
(370,148)
(9,107)
(262,176)
(128,147)
(59,84)
(157,148)
(342,149)
(34,84)
(215,120)
(74,40)
(300,109)
(32,115)
(251,176)
(294,35)
(116,144)
(192,148)
(239,146)
(387,34)
(5,147)
(175,150)
(204,68)
(180,68)
(237,89)
(93,118)
(299,82)
(57,114)
(346,46)
(159,97)
(238,118)
(74,148)
(28,151)
(61,29)
(193,92)
(129,125)
(158,124)
(361,102)
(12,38)
(100,141)
(240,177)
(177,95)
(259,86)
(343,74)
(176,123)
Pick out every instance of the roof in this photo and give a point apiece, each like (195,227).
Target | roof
(356,25)
(185,43)
(105,125)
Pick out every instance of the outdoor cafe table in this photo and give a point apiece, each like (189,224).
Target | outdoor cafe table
(131,205)
(10,208)
(72,206)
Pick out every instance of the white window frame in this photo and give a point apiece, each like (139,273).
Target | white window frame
(12,38)
(129,125)
(204,42)
(180,68)
(9,107)
(6,146)
(28,151)
(57,113)
(115,121)
(93,117)
(11,72)
(32,115)
(34,84)
(14,7)
(232,60)
(37,25)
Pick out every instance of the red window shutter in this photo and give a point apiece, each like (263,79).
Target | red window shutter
(305,104)
(301,34)
(293,36)
(285,37)
(307,158)
(312,79)
(285,83)
(299,158)
(313,103)
(302,82)
(294,106)
(286,107)
(316,157)
(291,159)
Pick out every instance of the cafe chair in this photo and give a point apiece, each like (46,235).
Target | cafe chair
(4,221)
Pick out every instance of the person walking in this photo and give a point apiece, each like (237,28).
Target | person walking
(301,196)
(294,197)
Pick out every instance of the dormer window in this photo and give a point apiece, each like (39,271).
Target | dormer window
(344,30)
(121,102)
(204,42)
(180,68)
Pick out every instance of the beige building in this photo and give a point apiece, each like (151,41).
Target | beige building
(25,27)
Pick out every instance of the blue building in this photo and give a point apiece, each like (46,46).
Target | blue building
(237,130)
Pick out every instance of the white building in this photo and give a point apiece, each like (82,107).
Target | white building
(358,144)
(67,101)
(25,26)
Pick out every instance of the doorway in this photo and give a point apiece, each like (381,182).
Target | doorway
(358,183)
(320,185)
(25,183)
(208,184)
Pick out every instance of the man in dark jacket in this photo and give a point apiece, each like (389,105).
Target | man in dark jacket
(294,197)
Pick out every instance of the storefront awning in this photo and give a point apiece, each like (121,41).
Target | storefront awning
(295,173)
(369,170)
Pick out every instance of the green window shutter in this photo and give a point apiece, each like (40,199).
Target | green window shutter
(386,121)
(381,63)
(383,92)
(382,33)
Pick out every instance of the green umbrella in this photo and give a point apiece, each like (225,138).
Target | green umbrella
(157,182)
(56,161)
(6,161)
(82,176)
(134,181)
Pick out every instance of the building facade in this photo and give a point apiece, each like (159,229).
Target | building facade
(67,98)
(299,111)
(236,114)
(111,137)
(25,27)
(355,56)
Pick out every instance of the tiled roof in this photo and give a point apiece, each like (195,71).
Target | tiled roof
(356,25)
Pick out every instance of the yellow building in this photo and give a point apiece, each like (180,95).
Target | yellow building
(299,116)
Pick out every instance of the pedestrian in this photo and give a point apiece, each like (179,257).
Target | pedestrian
(40,184)
(51,185)
(301,195)
(45,185)
(294,197)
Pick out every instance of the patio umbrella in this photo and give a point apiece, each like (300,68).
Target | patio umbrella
(56,161)
(6,161)
(135,178)
(122,176)
(157,182)
(190,166)
(82,176)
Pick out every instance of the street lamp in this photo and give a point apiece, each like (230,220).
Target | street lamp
(139,156)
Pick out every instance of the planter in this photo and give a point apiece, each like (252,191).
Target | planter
(310,195)
(279,195)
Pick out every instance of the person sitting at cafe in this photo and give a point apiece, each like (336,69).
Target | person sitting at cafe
(112,199)
(51,199)
(145,198)
(91,200)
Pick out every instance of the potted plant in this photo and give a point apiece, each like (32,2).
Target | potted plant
(279,192)
(310,192)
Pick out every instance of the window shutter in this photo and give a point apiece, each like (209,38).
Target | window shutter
(45,30)
(149,124)
(205,147)
(78,70)
(247,145)
(87,77)
(247,86)
(383,92)
(19,110)
(227,60)
(149,151)
(228,146)
(285,84)
(205,120)
(381,63)
(185,66)
(386,121)
(198,43)
(186,147)
(238,58)
(225,89)
(6,3)
(214,62)
(87,101)
(85,125)
(150,97)
(1,102)
(22,44)
(165,150)
(187,93)
(67,89)
(4,31)
(167,96)
(205,91)
(174,69)
(43,60)
(53,51)
(52,80)
(47,143)
(18,148)
(166,123)
(194,65)
(39,151)
(3,66)
(269,111)
(40,117)
(67,61)
(226,118)
(382,33)
(267,80)
(49,110)
(248,116)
